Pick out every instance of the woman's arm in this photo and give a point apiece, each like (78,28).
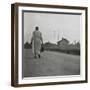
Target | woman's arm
(32,38)
(41,38)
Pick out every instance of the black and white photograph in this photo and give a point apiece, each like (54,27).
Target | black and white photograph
(52,44)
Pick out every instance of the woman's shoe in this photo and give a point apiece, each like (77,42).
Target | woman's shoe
(39,56)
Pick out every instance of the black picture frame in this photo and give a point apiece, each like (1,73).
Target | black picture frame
(15,41)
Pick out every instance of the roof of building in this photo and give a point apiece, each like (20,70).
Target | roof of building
(63,39)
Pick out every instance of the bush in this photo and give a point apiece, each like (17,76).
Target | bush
(73,51)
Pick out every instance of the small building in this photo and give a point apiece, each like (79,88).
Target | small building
(63,44)
(49,45)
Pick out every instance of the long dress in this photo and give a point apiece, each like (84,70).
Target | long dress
(36,42)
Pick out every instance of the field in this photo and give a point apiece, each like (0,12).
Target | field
(50,64)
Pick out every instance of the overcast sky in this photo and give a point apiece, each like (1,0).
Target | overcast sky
(52,26)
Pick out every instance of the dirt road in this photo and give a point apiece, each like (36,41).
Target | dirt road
(50,64)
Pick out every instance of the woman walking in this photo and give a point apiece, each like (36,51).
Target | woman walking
(36,42)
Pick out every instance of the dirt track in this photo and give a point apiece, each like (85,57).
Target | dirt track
(50,64)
